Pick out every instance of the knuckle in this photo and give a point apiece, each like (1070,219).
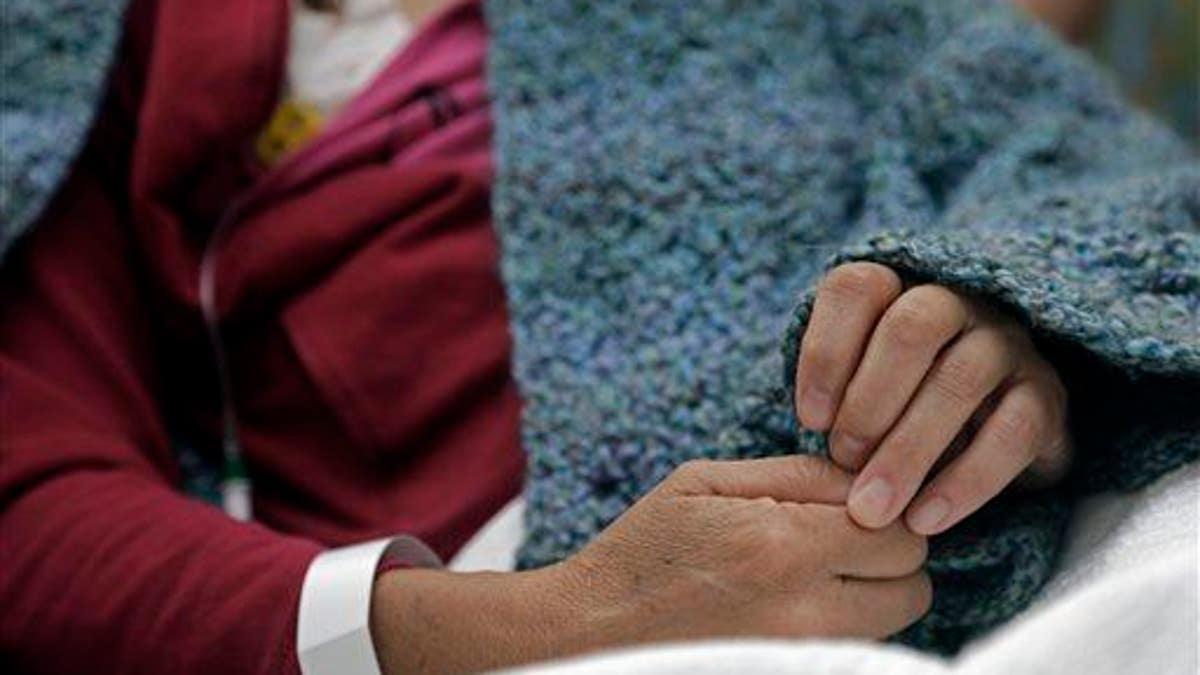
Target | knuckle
(918,549)
(909,551)
(778,533)
(802,519)
(862,279)
(1017,427)
(801,469)
(1052,460)
(809,470)
(820,527)
(1051,386)
(922,596)
(767,546)
(693,470)
(857,420)
(960,380)
(901,443)
(910,324)
(796,516)
(816,359)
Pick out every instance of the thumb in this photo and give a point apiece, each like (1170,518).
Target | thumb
(791,478)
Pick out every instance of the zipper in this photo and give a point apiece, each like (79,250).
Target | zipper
(237,495)
(236,488)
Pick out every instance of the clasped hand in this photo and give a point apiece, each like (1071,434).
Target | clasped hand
(925,381)
(909,383)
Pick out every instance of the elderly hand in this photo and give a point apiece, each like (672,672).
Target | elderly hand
(758,547)
(906,381)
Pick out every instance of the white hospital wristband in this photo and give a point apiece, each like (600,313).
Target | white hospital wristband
(333,632)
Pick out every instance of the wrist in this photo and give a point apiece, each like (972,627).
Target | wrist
(439,621)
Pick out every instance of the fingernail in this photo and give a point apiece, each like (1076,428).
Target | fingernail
(869,504)
(926,518)
(817,407)
(848,450)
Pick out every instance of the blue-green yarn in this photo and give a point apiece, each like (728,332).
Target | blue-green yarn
(673,176)
(54,58)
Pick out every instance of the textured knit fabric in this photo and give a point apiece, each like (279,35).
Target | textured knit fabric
(673,177)
(54,55)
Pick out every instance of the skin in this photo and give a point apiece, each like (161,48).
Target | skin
(414,10)
(759,547)
(909,383)
(928,381)
(418,10)
(908,380)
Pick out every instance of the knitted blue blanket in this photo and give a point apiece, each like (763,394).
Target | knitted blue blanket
(54,55)
(673,175)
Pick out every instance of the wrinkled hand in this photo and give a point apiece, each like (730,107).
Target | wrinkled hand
(755,547)
(758,547)
(920,381)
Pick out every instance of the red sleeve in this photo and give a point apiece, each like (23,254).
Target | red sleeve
(106,567)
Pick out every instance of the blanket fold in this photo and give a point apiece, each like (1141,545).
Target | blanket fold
(54,58)
(1115,311)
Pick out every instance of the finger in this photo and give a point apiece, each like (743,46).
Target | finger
(877,608)
(854,551)
(956,386)
(1025,424)
(910,335)
(849,302)
(792,478)
(1051,463)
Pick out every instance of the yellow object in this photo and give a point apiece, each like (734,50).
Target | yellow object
(293,124)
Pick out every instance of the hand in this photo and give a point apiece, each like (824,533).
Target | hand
(905,380)
(758,547)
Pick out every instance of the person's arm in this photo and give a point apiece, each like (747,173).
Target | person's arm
(107,567)
(761,548)
(333,630)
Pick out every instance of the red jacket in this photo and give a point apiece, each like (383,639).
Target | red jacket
(365,329)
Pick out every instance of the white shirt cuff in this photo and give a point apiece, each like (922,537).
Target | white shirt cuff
(333,632)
